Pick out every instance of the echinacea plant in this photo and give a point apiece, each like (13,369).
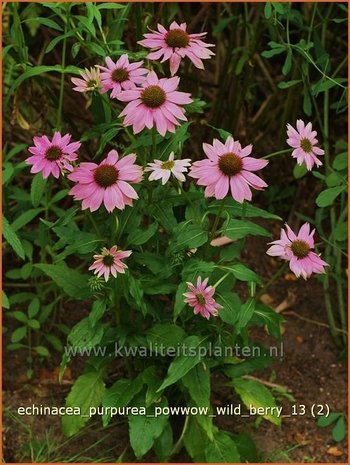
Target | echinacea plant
(145,252)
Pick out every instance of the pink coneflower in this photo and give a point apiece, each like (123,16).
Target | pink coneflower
(201,298)
(175,44)
(228,167)
(107,182)
(91,80)
(109,262)
(303,141)
(52,157)
(156,103)
(163,169)
(297,250)
(121,75)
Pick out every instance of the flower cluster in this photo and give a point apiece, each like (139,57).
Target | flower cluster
(156,104)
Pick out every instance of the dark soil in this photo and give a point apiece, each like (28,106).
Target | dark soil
(311,369)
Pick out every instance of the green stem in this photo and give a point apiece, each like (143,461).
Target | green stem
(273,278)
(275,154)
(178,445)
(215,226)
(63,64)
(221,280)
(339,284)
(116,302)
(154,143)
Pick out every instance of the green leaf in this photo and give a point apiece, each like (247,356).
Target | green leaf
(245,313)
(275,51)
(12,238)
(86,392)
(237,229)
(71,281)
(4,300)
(231,307)
(139,236)
(287,84)
(187,236)
(20,316)
(179,300)
(144,430)
(325,421)
(194,438)
(341,161)
(41,350)
(256,394)
(136,292)
(340,232)
(166,334)
(19,334)
(45,21)
(84,336)
(246,448)
(36,71)
(222,449)
(269,318)
(248,366)
(25,218)
(339,431)
(195,267)
(288,62)
(97,311)
(184,362)
(237,209)
(34,324)
(37,189)
(163,445)
(197,382)
(110,6)
(267,10)
(299,171)
(242,272)
(328,196)
(119,395)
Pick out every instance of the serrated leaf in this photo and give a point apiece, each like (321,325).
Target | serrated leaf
(222,449)
(187,236)
(84,336)
(197,382)
(86,392)
(183,363)
(256,394)
(166,335)
(119,395)
(12,238)
(144,430)
(71,281)
(25,218)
